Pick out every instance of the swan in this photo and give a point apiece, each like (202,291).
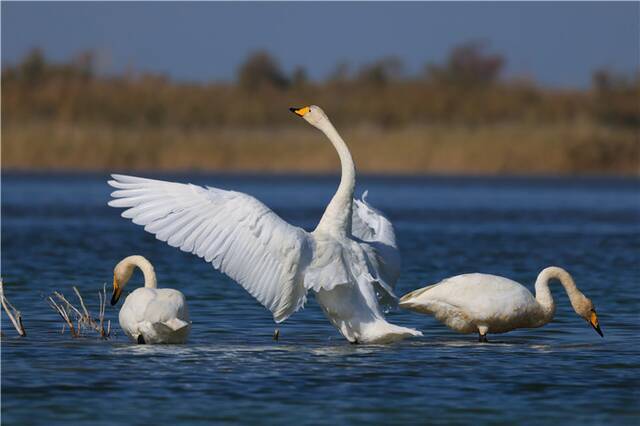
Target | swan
(149,314)
(347,262)
(486,303)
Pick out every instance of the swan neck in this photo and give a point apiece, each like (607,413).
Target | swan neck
(337,215)
(543,293)
(147,270)
(149,277)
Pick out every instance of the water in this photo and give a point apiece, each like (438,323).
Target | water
(57,232)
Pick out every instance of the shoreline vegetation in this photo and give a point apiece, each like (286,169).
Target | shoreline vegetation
(461,116)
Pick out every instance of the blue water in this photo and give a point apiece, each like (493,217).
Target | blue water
(57,232)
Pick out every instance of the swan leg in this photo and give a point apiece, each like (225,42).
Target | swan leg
(276,334)
(482,338)
(141,339)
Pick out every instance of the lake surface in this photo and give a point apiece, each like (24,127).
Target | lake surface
(58,232)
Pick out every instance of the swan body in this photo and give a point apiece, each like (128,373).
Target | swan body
(347,261)
(149,314)
(483,303)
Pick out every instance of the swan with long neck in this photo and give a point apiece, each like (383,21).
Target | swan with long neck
(337,215)
(149,315)
(486,303)
(348,261)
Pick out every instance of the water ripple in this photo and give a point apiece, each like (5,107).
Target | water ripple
(58,232)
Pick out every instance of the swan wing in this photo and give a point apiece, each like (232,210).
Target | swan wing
(233,231)
(478,295)
(370,225)
(416,293)
(378,239)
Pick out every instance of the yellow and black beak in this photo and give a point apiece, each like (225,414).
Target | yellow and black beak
(300,111)
(117,290)
(593,320)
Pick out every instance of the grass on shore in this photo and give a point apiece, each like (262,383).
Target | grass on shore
(516,148)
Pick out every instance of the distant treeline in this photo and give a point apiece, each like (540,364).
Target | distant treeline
(468,90)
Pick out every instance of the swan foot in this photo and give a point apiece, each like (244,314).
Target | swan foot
(482,338)
(276,334)
(141,339)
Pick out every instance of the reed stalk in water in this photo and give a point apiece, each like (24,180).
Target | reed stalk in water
(83,317)
(14,315)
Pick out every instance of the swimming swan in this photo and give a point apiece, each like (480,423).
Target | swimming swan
(485,303)
(349,258)
(150,314)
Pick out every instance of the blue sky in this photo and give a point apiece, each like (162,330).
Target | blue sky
(557,44)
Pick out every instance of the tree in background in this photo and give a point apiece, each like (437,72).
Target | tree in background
(468,65)
(33,66)
(299,77)
(617,97)
(84,64)
(382,71)
(260,70)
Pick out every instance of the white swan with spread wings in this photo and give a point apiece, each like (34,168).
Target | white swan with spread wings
(348,261)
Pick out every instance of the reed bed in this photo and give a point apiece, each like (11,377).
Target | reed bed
(579,146)
(460,116)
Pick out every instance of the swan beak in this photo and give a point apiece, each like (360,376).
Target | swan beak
(117,290)
(595,324)
(300,111)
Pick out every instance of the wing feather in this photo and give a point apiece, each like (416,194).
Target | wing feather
(235,232)
(379,242)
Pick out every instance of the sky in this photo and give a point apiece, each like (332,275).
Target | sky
(556,44)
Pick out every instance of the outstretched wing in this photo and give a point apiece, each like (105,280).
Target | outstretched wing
(238,234)
(379,241)
(370,225)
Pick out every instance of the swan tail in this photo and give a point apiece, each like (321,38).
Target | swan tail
(408,300)
(355,312)
(382,332)
(172,331)
(176,324)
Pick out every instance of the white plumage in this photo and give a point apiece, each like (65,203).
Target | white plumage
(348,257)
(150,315)
(483,303)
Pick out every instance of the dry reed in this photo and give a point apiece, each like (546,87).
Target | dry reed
(76,318)
(14,315)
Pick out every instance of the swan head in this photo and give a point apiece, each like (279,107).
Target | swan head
(585,309)
(313,114)
(121,275)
